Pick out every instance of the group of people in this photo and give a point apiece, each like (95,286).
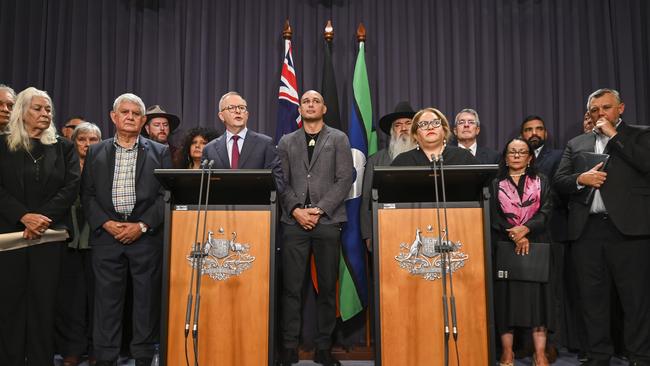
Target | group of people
(65,193)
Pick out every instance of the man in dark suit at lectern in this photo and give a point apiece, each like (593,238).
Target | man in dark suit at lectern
(317,166)
(123,202)
(609,220)
(240,147)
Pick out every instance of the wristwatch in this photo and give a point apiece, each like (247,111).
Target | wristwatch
(143,227)
(320,211)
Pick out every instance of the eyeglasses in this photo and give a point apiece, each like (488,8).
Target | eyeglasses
(233,108)
(425,125)
(465,122)
(518,152)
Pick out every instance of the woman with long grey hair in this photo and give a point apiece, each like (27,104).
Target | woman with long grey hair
(39,181)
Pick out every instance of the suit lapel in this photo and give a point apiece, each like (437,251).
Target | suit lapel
(143,149)
(320,143)
(247,147)
(222,151)
(301,144)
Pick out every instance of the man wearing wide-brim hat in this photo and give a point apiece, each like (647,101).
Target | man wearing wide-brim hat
(160,124)
(397,125)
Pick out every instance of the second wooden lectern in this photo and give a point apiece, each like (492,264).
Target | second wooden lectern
(409,321)
(235,323)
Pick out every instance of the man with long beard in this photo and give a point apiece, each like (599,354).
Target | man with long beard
(397,125)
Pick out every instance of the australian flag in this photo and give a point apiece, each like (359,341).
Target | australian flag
(288,99)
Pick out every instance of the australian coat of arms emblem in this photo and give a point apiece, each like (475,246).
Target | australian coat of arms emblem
(223,258)
(423,257)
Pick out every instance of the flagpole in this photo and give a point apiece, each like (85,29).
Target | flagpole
(361,39)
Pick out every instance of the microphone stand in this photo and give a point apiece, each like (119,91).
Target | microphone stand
(199,269)
(443,265)
(193,253)
(454,324)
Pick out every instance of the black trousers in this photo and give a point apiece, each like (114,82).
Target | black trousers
(111,264)
(74,309)
(28,282)
(604,256)
(324,241)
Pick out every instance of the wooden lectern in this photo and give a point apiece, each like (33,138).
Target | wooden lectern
(408,286)
(235,324)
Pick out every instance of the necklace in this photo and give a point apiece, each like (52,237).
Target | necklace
(36,164)
(35,160)
(313,137)
(518,174)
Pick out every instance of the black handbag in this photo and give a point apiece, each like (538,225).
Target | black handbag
(532,267)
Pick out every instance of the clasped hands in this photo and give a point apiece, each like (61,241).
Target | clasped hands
(518,235)
(35,225)
(124,232)
(307,218)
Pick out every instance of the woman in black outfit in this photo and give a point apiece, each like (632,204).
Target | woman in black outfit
(39,181)
(430,131)
(520,212)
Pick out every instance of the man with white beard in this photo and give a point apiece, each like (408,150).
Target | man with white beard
(397,125)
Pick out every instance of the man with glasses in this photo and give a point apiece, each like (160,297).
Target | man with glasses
(70,125)
(7,101)
(467,127)
(240,147)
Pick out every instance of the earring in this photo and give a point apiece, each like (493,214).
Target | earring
(417,146)
(528,165)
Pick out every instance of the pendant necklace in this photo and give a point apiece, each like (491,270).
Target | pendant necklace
(36,164)
(313,137)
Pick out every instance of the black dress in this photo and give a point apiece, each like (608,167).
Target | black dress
(45,182)
(521,304)
(451,155)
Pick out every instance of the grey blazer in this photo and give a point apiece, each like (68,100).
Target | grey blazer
(328,177)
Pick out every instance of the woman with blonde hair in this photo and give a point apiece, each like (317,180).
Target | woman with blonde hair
(39,181)
(430,131)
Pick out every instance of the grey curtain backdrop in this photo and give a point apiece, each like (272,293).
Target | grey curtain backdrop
(505,58)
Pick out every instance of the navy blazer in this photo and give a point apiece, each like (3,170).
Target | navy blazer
(60,166)
(97,188)
(258,152)
(548,161)
(626,191)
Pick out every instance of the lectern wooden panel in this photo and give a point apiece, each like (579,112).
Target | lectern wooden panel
(234,313)
(409,311)
(411,306)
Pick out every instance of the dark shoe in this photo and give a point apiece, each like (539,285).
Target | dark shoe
(325,358)
(596,363)
(143,361)
(71,361)
(582,357)
(288,356)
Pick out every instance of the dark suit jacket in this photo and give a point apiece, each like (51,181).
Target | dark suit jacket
(380,158)
(485,155)
(327,177)
(626,192)
(548,161)
(97,188)
(60,185)
(258,152)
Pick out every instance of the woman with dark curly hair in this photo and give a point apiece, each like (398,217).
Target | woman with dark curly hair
(189,155)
